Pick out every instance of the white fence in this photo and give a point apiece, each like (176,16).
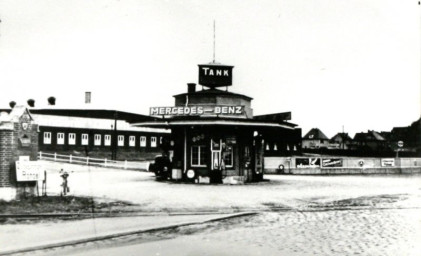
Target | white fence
(103,162)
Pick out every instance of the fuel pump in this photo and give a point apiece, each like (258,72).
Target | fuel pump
(218,164)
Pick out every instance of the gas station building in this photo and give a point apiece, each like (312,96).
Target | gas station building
(214,136)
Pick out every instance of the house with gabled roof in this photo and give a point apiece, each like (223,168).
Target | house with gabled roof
(315,139)
(340,141)
(409,136)
(370,140)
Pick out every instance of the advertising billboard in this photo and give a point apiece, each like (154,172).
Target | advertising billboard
(307,162)
(215,75)
(332,162)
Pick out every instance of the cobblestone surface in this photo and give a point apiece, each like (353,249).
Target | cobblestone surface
(331,232)
(350,232)
(298,215)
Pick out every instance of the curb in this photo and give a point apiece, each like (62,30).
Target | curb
(110,215)
(120,234)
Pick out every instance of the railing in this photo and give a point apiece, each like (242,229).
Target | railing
(103,162)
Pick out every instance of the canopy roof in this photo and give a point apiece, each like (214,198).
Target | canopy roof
(179,122)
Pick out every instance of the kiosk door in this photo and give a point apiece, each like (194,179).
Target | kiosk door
(247,162)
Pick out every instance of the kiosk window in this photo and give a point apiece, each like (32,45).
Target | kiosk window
(198,155)
(72,138)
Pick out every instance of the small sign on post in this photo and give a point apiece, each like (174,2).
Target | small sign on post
(24,158)
(400,145)
(27,171)
(388,162)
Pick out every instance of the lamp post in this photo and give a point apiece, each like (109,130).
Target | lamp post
(114,138)
(112,142)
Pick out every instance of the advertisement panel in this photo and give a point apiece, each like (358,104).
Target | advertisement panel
(27,171)
(332,162)
(388,162)
(307,162)
(215,75)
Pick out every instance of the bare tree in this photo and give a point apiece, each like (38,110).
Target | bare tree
(12,104)
(31,102)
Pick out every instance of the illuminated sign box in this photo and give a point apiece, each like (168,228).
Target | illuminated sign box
(215,75)
(196,110)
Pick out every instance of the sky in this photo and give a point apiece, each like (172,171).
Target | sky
(336,65)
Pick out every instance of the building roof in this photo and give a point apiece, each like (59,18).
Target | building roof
(315,134)
(85,118)
(386,135)
(214,92)
(89,123)
(368,136)
(14,114)
(274,117)
(90,113)
(342,135)
(212,121)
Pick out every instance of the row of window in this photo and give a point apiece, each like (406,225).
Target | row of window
(98,140)
(199,157)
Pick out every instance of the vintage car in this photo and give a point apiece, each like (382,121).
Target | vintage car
(161,167)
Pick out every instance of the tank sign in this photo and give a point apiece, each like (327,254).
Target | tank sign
(215,75)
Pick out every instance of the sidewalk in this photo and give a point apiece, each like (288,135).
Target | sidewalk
(22,237)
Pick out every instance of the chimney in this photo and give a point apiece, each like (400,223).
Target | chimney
(191,87)
(87,97)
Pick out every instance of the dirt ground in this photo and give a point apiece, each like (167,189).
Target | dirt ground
(279,191)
